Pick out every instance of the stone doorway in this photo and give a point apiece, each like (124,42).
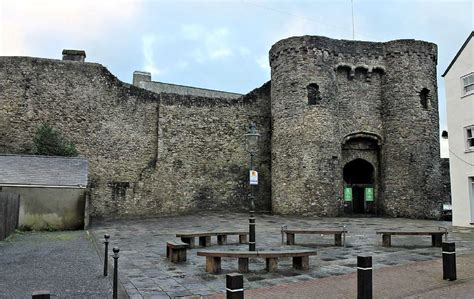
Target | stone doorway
(359,177)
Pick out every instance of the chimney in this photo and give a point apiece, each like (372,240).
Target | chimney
(140,77)
(74,55)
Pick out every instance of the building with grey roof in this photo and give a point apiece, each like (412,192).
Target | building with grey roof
(52,189)
(143,80)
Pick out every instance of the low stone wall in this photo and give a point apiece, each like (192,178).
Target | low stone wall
(9,205)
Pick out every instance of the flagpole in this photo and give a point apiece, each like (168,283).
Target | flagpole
(353,32)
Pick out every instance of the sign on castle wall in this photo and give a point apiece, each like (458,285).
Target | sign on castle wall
(369,194)
(253,177)
(347,194)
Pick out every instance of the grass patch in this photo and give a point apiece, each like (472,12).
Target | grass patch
(60,237)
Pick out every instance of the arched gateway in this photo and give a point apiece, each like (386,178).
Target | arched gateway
(360,155)
(359,179)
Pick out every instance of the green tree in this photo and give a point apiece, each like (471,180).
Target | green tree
(50,142)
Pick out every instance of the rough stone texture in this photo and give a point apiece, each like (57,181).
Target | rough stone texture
(370,109)
(445,181)
(202,163)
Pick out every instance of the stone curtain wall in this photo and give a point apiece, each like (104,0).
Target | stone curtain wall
(147,156)
(112,124)
(202,163)
(364,88)
(9,211)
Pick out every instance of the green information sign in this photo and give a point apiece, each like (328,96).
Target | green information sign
(347,194)
(369,194)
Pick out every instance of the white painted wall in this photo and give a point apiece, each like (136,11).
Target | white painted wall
(460,113)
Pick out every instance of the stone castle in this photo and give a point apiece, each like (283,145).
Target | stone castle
(346,127)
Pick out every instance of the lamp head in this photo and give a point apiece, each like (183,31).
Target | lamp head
(252,138)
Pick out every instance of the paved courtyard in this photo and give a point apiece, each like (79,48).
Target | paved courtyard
(145,271)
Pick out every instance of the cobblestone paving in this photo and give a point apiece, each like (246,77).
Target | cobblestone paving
(145,271)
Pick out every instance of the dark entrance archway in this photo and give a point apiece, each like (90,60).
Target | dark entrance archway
(359,176)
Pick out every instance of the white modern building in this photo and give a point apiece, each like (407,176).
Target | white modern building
(459,84)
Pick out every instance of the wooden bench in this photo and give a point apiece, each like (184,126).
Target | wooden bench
(290,234)
(436,236)
(176,251)
(213,259)
(205,237)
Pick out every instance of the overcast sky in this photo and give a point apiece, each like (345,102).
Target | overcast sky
(219,44)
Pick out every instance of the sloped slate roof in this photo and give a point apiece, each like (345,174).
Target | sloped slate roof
(458,53)
(43,171)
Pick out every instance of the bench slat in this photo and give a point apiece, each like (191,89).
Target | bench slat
(311,231)
(177,244)
(273,254)
(207,234)
(262,254)
(411,233)
(243,254)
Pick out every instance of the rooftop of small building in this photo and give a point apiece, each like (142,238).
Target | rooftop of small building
(43,171)
(147,75)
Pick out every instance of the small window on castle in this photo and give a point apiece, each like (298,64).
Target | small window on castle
(119,190)
(424,97)
(314,96)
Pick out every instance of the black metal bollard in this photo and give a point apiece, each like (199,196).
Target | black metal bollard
(41,295)
(106,256)
(364,277)
(235,286)
(252,222)
(449,261)
(283,229)
(252,233)
(115,285)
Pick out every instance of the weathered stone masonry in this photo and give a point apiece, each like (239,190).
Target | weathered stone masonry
(377,103)
(336,114)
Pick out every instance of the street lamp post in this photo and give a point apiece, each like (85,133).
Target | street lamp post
(252,147)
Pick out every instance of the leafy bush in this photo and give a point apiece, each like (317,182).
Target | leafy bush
(50,142)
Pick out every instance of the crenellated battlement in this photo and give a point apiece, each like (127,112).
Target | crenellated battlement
(324,49)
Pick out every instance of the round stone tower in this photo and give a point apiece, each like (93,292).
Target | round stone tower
(343,115)
(411,126)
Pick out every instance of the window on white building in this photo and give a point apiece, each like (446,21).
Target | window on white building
(468,84)
(470,138)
